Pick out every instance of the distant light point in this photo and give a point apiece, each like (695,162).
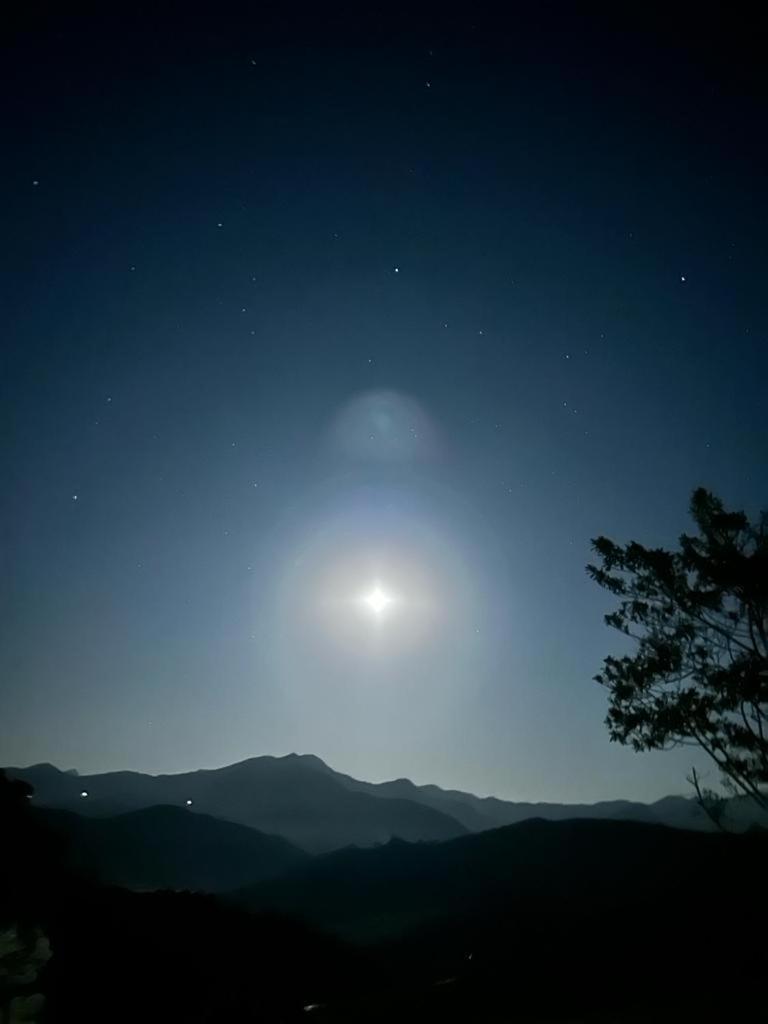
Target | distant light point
(397,270)
(84,793)
(188,803)
(75,497)
(35,183)
(682,278)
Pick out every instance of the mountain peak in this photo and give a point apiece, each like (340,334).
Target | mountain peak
(310,760)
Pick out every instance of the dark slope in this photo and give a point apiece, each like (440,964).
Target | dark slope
(170,848)
(542,870)
(285,796)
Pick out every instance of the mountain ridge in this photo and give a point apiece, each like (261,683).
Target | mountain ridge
(280,796)
(540,868)
(302,799)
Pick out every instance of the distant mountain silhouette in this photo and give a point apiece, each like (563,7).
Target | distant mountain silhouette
(480,813)
(302,799)
(296,797)
(170,848)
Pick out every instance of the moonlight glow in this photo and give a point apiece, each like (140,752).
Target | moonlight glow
(377,601)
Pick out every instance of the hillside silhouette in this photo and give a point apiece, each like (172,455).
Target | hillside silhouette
(553,870)
(169,848)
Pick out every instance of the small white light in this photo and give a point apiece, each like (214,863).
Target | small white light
(189,803)
(84,792)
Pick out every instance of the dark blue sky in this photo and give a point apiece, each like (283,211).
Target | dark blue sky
(293,305)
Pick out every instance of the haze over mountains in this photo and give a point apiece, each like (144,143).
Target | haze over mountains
(302,800)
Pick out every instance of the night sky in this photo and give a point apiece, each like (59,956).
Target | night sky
(295,306)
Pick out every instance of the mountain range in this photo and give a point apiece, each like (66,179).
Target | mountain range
(544,920)
(301,799)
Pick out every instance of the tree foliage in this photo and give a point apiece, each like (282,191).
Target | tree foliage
(699,615)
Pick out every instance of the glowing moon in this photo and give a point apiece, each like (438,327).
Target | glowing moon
(377,601)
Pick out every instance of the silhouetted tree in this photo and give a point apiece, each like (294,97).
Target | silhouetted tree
(699,615)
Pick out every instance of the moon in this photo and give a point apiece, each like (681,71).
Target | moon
(377,601)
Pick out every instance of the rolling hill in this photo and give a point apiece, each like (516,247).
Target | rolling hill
(170,848)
